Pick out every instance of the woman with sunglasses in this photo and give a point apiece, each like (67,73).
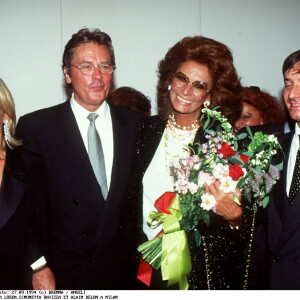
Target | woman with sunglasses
(196,72)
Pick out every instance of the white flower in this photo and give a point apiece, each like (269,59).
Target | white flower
(219,170)
(193,187)
(228,185)
(208,202)
(253,162)
(273,152)
(272,138)
(196,166)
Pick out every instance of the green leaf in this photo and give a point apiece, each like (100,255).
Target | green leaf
(236,146)
(248,153)
(198,239)
(205,218)
(206,123)
(265,201)
(235,160)
(241,182)
(241,136)
(249,132)
(279,166)
(258,169)
(209,131)
(248,197)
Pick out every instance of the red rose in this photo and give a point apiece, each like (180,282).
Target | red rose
(235,171)
(226,150)
(244,158)
(163,202)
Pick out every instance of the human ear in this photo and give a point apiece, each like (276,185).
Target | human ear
(6,117)
(67,76)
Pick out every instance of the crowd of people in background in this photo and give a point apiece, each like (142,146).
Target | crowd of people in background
(80,179)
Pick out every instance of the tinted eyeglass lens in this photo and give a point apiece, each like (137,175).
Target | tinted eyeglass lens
(199,88)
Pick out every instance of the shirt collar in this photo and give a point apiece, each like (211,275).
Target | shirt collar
(297,129)
(296,135)
(81,113)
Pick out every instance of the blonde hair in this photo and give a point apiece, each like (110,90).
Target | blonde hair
(7,106)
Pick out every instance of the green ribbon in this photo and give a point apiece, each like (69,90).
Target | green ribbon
(175,259)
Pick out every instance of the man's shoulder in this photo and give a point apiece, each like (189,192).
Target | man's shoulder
(45,113)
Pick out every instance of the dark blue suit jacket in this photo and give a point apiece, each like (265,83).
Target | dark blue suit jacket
(276,249)
(84,238)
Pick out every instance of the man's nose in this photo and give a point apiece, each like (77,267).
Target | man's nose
(97,73)
(294,91)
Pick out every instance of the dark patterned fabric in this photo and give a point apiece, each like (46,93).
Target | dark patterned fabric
(222,257)
(296,179)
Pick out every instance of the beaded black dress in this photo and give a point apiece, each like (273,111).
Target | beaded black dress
(218,263)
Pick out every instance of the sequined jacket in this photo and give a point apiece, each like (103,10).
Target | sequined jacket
(218,262)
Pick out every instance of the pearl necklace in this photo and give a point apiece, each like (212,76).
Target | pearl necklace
(172,121)
(175,141)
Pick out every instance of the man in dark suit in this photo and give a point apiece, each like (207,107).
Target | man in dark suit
(276,247)
(82,218)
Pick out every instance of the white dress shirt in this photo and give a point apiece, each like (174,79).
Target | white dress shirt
(104,127)
(292,158)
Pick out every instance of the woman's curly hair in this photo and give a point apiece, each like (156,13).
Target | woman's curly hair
(215,55)
(269,106)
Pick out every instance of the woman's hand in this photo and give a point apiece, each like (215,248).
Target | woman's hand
(225,204)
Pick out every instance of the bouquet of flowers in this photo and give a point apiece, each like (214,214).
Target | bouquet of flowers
(220,159)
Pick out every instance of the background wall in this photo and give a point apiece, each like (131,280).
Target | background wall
(260,33)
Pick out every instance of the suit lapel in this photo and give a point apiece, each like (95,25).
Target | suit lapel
(121,136)
(280,187)
(284,218)
(124,148)
(70,144)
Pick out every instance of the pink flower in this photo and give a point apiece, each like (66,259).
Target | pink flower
(193,187)
(203,178)
(219,170)
(181,186)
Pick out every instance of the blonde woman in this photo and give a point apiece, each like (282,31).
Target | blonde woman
(15,272)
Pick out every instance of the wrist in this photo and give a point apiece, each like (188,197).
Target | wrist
(41,268)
